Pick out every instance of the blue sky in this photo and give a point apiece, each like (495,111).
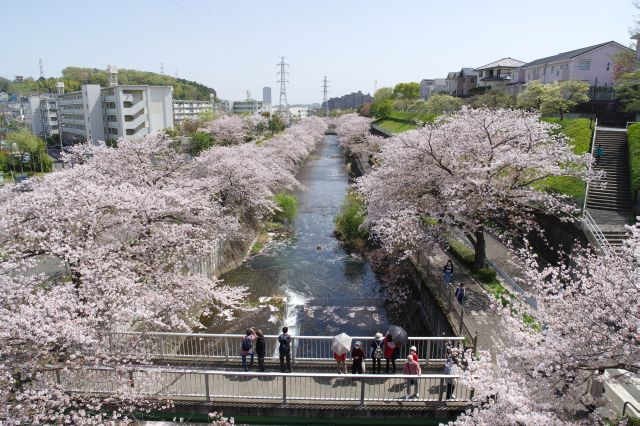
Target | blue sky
(234,46)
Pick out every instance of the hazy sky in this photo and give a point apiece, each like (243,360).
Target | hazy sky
(233,46)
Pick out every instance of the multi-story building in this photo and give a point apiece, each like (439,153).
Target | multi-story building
(108,113)
(190,110)
(266,95)
(351,101)
(44,115)
(80,115)
(499,73)
(133,111)
(247,106)
(431,86)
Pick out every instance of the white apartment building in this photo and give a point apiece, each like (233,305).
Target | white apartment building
(43,115)
(133,111)
(248,106)
(190,110)
(80,115)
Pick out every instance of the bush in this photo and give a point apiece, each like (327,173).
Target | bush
(463,253)
(5,165)
(487,275)
(349,221)
(287,208)
(633,136)
(199,142)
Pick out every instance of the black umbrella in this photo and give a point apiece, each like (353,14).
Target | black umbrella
(399,334)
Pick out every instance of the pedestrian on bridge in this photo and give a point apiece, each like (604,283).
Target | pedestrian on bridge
(285,349)
(357,356)
(247,348)
(261,349)
(412,368)
(377,352)
(390,352)
(449,370)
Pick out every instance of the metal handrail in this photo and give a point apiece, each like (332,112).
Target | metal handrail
(599,237)
(593,144)
(624,408)
(208,385)
(226,347)
(629,122)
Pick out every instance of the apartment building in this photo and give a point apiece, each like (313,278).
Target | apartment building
(80,115)
(353,100)
(43,115)
(133,111)
(248,106)
(190,110)
(432,86)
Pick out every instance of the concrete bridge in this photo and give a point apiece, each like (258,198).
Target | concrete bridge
(201,373)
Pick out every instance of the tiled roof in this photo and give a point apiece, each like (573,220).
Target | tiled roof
(565,56)
(504,62)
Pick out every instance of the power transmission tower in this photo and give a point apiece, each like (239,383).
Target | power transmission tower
(176,74)
(325,91)
(161,68)
(283,107)
(41,69)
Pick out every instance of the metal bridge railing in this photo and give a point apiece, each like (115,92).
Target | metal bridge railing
(225,347)
(208,385)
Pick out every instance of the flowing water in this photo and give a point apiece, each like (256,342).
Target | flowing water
(328,290)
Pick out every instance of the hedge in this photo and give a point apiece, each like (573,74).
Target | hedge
(633,137)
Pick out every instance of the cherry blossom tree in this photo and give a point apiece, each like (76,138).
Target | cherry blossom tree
(354,137)
(588,309)
(228,129)
(462,171)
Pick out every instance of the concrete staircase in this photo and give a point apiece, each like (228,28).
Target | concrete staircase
(609,201)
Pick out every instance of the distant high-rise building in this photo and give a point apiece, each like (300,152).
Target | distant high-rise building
(266,95)
(351,101)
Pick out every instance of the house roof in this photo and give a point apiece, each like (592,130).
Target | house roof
(565,56)
(452,74)
(502,63)
(468,71)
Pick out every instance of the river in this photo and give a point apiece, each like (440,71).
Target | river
(328,290)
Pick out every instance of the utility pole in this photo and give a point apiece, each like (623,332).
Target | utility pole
(325,100)
(283,108)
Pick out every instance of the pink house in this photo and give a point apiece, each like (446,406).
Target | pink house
(593,64)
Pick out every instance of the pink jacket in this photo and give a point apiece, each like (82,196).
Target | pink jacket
(412,368)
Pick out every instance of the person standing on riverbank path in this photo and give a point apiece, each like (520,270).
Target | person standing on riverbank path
(448,272)
(412,368)
(285,349)
(390,352)
(460,293)
(357,356)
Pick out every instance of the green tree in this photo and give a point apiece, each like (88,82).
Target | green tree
(440,103)
(200,141)
(493,99)
(29,146)
(381,95)
(628,91)
(384,109)
(531,97)
(406,91)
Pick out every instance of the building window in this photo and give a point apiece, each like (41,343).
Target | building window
(584,65)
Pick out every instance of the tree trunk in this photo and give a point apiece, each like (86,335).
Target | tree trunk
(481,249)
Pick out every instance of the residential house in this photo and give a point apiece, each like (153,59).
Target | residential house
(431,86)
(593,64)
(499,73)
(460,83)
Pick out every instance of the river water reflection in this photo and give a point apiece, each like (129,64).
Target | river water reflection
(329,291)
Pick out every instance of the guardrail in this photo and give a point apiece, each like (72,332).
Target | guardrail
(593,145)
(208,385)
(629,404)
(445,293)
(226,347)
(598,237)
